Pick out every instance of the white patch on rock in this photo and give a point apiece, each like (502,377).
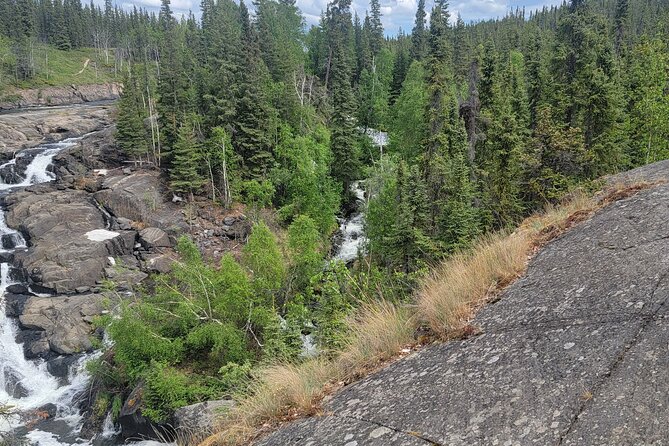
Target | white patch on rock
(569,345)
(101,235)
(101,172)
(379,432)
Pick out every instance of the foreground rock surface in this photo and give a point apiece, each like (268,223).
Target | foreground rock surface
(574,353)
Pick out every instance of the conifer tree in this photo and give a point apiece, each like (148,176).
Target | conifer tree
(419,36)
(344,134)
(130,132)
(251,138)
(375,28)
(185,174)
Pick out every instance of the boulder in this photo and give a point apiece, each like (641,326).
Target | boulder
(66,321)
(158,263)
(35,344)
(60,366)
(154,238)
(201,417)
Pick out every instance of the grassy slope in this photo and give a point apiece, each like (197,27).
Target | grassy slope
(57,68)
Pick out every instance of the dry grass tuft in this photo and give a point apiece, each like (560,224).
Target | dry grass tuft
(379,332)
(448,297)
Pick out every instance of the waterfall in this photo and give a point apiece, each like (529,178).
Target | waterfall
(26,385)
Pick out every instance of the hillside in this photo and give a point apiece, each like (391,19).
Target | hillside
(573,353)
(54,68)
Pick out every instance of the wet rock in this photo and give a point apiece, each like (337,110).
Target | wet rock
(15,303)
(13,385)
(133,424)
(66,321)
(17,288)
(60,367)
(35,344)
(201,418)
(154,238)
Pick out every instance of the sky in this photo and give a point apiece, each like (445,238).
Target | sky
(396,13)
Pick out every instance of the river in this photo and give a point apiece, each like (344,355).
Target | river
(26,385)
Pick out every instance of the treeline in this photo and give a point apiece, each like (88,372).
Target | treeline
(487,122)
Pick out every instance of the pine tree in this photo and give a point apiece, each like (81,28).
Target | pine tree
(419,37)
(344,134)
(251,138)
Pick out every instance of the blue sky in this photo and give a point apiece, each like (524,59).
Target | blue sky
(396,13)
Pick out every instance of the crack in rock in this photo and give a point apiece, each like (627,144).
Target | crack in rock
(647,319)
(399,431)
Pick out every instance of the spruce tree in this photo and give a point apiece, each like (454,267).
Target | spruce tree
(345,168)
(131,135)
(419,36)
(251,138)
(375,28)
(185,174)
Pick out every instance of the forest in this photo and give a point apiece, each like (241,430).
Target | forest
(488,122)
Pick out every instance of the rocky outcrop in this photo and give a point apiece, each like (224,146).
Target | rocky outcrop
(200,419)
(66,95)
(65,321)
(23,129)
(140,197)
(573,353)
(69,244)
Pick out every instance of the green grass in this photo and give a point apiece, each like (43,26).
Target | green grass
(57,68)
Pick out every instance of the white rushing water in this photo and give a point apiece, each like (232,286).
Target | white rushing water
(352,229)
(27,385)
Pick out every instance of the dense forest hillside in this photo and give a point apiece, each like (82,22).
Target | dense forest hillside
(488,122)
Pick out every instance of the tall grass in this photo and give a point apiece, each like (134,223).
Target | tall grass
(449,295)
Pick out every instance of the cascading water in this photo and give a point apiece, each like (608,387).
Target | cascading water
(352,229)
(26,385)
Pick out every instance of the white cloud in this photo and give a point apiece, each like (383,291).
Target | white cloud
(396,13)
